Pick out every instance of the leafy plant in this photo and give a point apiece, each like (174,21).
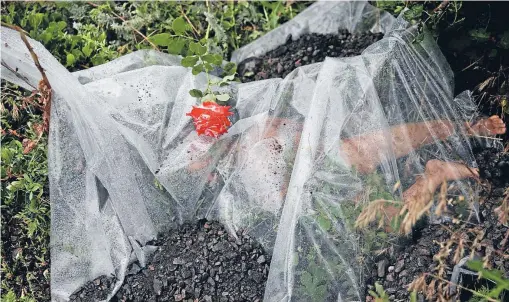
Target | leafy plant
(379,293)
(25,206)
(81,35)
(501,284)
(313,281)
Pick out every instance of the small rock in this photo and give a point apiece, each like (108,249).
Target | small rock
(261,259)
(178,261)
(382,264)
(391,291)
(207,298)
(197,292)
(279,70)
(186,274)
(390,277)
(390,269)
(403,273)
(424,252)
(399,266)
(158,286)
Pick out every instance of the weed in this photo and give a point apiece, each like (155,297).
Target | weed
(379,294)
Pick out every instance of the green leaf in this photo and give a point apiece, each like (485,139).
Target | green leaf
(481,35)
(373,294)
(196,93)
(230,68)
(208,58)
(320,292)
(504,40)
(35,19)
(413,296)
(223,97)
(319,274)
(32,227)
(87,51)
(324,223)
(10,297)
(218,59)
(179,25)
(60,25)
(193,46)
(197,69)
(176,45)
(197,48)
(494,275)
(162,39)
(306,279)
(70,59)
(208,67)
(379,288)
(189,61)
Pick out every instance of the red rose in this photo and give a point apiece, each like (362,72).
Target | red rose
(211,119)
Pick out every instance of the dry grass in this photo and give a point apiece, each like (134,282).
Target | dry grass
(464,239)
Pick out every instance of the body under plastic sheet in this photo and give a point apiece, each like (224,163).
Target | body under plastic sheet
(278,173)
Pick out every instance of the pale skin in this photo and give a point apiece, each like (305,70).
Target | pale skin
(363,151)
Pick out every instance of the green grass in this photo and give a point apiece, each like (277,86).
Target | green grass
(82,35)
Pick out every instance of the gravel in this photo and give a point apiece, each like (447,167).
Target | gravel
(308,49)
(197,261)
(415,255)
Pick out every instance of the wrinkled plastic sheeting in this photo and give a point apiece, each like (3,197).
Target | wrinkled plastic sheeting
(277,174)
(323,17)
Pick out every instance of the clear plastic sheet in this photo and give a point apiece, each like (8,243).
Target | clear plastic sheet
(279,173)
(323,17)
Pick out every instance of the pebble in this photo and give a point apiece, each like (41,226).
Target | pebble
(184,269)
(382,264)
(399,266)
(307,49)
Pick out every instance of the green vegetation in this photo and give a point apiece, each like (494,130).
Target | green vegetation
(81,35)
(84,34)
(495,277)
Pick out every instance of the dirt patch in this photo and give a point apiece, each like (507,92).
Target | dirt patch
(308,49)
(197,261)
(416,255)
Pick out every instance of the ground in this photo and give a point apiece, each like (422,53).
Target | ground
(473,36)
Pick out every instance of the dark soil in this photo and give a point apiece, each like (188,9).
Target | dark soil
(26,272)
(481,65)
(197,262)
(414,256)
(308,49)
(201,261)
(477,50)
